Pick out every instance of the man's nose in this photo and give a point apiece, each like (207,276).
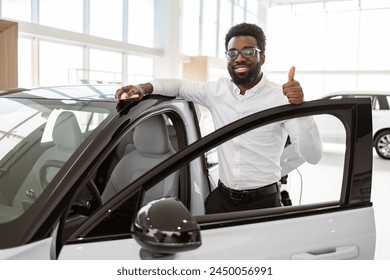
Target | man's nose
(240,57)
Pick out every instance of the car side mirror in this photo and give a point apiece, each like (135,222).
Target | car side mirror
(165,226)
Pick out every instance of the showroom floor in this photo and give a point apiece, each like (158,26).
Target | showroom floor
(328,189)
(380,196)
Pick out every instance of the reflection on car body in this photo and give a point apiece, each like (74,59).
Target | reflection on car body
(58,207)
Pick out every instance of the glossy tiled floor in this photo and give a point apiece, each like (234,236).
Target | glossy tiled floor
(320,188)
(380,196)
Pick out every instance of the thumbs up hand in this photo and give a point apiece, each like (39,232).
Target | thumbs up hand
(291,74)
(292,89)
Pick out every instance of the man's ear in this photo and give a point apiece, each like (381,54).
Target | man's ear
(262,59)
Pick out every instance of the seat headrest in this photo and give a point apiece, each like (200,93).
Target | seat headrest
(126,145)
(66,131)
(151,136)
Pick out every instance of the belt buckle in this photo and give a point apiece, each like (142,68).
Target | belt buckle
(238,196)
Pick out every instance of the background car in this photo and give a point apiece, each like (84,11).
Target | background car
(380,101)
(82,176)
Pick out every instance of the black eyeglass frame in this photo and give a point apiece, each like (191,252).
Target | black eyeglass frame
(242,52)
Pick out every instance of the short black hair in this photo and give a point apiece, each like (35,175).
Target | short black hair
(247,29)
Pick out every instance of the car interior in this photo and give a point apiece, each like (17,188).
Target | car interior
(150,146)
(42,140)
(139,149)
(67,137)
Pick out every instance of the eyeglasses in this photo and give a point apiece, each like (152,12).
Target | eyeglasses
(247,52)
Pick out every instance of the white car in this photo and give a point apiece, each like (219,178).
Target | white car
(333,132)
(82,177)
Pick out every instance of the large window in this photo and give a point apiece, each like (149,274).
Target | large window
(16,9)
(141,22)
(105,66)
(336,45)
(106,21)
(239,11)
(57,13)
(140,69)
(225,22)
(205,24)
(373,44)
(190,31)
(83,41)
(209,28)
(56,62)
(24,62)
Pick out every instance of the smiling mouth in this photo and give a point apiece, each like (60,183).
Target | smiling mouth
(241,69)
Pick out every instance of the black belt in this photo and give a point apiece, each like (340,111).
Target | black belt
(248,194)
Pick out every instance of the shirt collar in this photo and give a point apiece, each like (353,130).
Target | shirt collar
(258,87)
(254,90)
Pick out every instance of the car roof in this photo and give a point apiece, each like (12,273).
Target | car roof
(71,92)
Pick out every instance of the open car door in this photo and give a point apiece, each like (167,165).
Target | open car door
(331,216)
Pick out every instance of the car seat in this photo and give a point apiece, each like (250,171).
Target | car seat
(67,137)
(152,146)
(173,137)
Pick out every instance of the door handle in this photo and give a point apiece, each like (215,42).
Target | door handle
(340,253)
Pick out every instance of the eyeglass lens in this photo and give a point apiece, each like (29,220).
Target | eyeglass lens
(245,52)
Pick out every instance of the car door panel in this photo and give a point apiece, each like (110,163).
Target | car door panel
(381,118)
(290,238)
(335,235)
(121,249)
(343,229)
(40,250)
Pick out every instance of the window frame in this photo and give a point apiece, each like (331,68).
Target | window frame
(356,183)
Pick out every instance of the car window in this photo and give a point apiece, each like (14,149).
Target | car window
(141,148)
(205,120)
(206,126)
(138,150)
(37,137)
(21,122)
(87,122)
(382,102)
(307,184)
(376,104)
(333,136)
(303,181)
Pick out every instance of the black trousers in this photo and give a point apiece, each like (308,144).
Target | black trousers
(219,202)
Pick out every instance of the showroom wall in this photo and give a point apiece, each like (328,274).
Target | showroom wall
(8,54)
(335,45)
(118,41)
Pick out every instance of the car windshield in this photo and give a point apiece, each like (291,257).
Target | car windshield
(37,137)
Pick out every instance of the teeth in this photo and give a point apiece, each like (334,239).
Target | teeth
(241,69)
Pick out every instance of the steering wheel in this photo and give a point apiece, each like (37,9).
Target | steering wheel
(91,186)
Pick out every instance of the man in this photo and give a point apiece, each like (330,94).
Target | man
(249,166)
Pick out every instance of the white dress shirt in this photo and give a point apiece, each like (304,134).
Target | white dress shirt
(251,160)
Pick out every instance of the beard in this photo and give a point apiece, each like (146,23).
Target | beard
(245,78)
